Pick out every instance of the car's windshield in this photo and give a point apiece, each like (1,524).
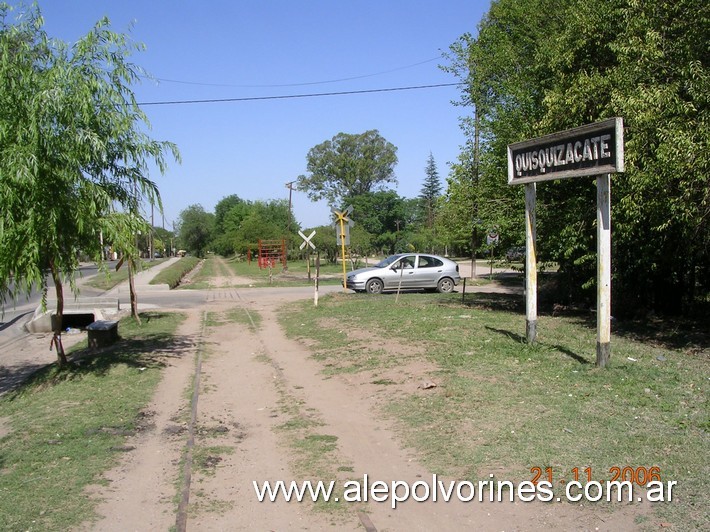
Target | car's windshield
(386,262)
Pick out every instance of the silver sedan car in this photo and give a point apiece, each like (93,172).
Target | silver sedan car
(406,271)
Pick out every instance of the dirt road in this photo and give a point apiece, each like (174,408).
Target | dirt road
(263,407)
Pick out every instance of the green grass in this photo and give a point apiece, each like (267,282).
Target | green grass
(297,273)
(206,459)
(295,267)
(69,425)
(502,406)
(259,277)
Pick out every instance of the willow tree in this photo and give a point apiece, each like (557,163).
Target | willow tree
(122,230)
(72,149)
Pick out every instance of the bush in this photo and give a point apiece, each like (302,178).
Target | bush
(173,274)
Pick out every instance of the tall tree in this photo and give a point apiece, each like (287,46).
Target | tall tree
(383,215)
(225,223)
(196,229)
(431,190)
(222,209)
(265,220)
(531,74)
(647,62)
(349,165)
(504,88)
(72,146)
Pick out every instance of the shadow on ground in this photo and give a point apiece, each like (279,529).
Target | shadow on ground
(147,350)
(689,333)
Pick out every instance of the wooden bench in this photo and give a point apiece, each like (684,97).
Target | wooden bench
(102,333)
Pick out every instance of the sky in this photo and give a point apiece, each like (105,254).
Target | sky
(243,49)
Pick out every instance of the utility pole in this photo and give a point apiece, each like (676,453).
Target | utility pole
(289,186)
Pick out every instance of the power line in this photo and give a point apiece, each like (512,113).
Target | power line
(322,82)
(292,96)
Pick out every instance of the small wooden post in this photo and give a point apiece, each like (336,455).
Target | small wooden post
(530,265)
(399,286)
(308,261)
(315,294)
(490,275)
(603,270)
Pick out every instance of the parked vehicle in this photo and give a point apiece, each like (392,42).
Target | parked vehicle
(408,271)
(515,254)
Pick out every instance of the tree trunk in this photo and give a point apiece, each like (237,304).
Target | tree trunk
(132,288)
(57,338)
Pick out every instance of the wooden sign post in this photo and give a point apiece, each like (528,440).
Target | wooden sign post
(603,270)
(530,265)
(594,149)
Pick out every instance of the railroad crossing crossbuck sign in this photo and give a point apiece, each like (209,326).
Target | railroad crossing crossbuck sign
(342,225)
(307,240)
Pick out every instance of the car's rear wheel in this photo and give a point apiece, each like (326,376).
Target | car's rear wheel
(374,286)
(445,285)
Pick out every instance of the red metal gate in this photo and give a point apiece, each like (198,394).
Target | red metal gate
(271,253)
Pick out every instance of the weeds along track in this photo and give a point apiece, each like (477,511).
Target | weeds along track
(222,267)
(223,271)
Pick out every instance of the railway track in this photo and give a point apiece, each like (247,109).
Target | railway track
(182,514)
